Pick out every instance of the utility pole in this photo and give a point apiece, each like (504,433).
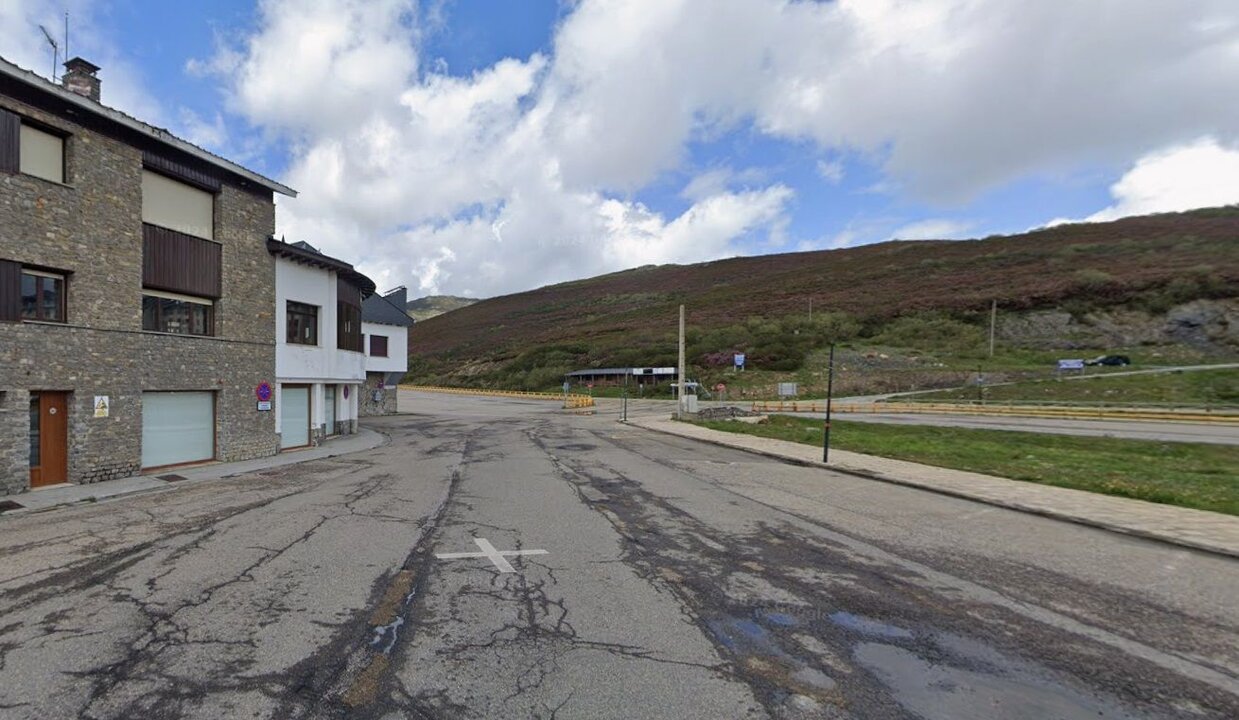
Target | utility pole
(830,390)
(627,372)
(679,389)
(993,320)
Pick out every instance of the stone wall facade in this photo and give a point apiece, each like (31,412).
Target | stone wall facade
(90,228)
(385,404)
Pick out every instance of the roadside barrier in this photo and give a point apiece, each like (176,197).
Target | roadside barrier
(1077,413)
(571,402)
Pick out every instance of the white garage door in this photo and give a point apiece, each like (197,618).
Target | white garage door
(177,427)
(294,416)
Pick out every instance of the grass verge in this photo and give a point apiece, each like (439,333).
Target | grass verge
(1192,475)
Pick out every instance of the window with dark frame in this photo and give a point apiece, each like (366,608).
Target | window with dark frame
(348,328)
(181,316)
(378,345)
(302,324)
(42,296)
(42,153)
(31,148)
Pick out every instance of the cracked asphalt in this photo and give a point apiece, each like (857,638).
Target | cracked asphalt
(681,580)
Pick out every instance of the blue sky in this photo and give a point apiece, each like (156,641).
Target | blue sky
(491,146)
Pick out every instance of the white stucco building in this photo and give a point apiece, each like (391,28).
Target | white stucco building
(320,364)
(385,327)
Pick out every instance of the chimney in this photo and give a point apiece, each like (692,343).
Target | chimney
(399,297)
(80,78)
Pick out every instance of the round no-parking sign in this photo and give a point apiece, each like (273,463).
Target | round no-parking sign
(263,391)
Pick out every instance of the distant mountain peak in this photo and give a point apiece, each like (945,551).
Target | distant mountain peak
(430,306)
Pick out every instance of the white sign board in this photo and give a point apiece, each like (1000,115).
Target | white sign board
(264,406)
(1070,364)
(739,359)
(102,406)
(787,389)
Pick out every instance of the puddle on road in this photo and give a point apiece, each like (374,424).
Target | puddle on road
(868,626)
(389,631)
(745,637)
(777,618)
(944,692)
(388,615)
(759,653)
(814,678)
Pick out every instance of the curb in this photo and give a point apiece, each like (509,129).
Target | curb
(383,439)
(1222,551)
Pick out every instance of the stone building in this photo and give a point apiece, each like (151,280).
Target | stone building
(385,323)
(319,361)
(137,294)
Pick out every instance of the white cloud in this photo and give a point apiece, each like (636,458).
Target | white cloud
(211,134)
(933,229)
(830,170)
(23,44)
(719,180)
(397,160)
(393,173)
(318,64)
(1184,177)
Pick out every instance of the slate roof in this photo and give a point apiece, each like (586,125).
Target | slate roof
(379,309)
(22,75)
(303,252)
(606,371)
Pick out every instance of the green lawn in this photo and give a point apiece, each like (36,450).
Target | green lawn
(1191,475)
(1202,387)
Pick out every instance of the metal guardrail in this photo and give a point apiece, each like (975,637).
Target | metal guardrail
(1209,408)
(1077,413)
(571,401)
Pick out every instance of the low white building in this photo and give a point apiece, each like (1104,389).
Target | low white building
(320,364)
(385,326)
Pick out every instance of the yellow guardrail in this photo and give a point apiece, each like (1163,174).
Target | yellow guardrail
(1077,413)
(571,401)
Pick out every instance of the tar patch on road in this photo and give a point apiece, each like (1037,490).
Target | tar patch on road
(817,630)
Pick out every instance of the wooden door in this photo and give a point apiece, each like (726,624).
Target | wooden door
(49,438)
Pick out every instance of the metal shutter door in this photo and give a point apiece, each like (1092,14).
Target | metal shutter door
(294,416)
(177,427)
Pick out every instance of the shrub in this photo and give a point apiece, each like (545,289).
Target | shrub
(1092,279)
(931,332)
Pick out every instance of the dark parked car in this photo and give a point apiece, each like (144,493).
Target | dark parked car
(1111,360)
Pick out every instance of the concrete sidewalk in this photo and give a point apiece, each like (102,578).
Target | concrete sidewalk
(62,495)
(1198,529)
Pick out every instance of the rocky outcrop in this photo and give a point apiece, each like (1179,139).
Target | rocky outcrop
(1205,324)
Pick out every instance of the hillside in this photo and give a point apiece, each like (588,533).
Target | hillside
(1054,287)
(424,308)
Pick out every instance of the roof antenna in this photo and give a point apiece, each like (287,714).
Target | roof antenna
(66,37)
(55,51)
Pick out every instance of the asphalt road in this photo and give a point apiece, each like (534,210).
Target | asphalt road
(679,580)
(1216,434)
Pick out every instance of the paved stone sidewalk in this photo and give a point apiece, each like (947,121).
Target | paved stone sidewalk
(1210,531)
(58,496)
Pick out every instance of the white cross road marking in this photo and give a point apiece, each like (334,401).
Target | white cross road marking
(498,557)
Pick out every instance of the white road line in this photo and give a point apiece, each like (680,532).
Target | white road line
(498,557)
